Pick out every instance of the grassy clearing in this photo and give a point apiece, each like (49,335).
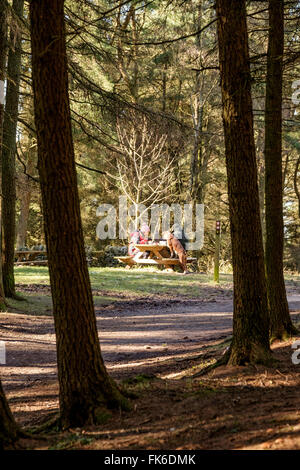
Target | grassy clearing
(37,304)
(33,304)
(117,284)
(138,281)
(32,275)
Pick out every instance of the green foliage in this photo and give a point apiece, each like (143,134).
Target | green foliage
(129,62)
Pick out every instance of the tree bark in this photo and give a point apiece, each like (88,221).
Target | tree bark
(85,388)
(23,219)
(296,179)
(197,115)
(9,430)
(250,317)
(8,155)
(3,40)
(261,178)
(280,320)
(25,191)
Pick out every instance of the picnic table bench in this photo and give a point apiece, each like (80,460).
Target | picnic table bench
(159,255)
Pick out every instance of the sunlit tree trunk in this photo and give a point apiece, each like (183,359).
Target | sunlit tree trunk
(23,220)
(8,155)
(85,388)
(280,320)
(24,196)
(250,317)
(296,183)
(3,38)
(195,183)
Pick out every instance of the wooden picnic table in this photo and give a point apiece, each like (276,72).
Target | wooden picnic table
(155,250)
(159,255)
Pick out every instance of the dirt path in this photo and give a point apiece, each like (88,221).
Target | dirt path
(167,339)
(133,340)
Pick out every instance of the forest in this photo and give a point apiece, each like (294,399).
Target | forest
(123,331)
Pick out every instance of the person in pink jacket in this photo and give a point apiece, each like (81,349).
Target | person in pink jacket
(138,236)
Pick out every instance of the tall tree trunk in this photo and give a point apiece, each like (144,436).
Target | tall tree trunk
(24,195)
(9,430)
(3,37)
(261,177)
(250,316)
(280,321)
(8,155)
(85,388)
(164,87)
(197,115)
(23,220)
(296,180)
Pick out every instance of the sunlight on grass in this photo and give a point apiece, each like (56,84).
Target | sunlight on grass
(113,285)
(139,281)
(136,281)
(32,275)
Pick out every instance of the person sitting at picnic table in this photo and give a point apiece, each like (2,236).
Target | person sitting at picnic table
(139,237)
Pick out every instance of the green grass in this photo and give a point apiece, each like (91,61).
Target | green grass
(119,284)
(32,275)
(37,304)
(34,304)
(136,281)
(142,281)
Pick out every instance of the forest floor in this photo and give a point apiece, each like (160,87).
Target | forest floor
(156,335)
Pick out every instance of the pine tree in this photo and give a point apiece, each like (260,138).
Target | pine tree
(250,316)
(86,390)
